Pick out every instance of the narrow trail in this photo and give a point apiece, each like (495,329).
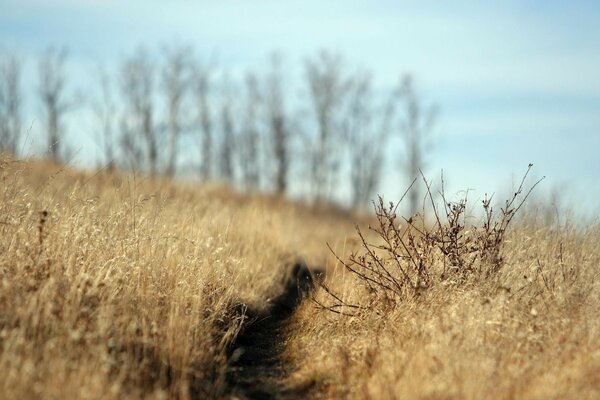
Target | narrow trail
(255,366)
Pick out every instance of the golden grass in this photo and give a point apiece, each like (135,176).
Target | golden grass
(126,289)
(531,332)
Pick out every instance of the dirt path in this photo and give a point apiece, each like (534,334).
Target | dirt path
(255,368)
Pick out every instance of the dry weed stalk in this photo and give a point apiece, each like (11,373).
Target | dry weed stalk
(407,260)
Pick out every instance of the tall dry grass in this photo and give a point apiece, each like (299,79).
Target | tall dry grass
(119,287)
(115,286)
(530,329)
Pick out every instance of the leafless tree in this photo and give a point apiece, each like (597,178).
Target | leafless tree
(53,94)
(10,102)
(227,148)
(139,139)
(202,93)
(250,135)
(415,129)
(104,109)
(175,83)
(366,126)
(327,88)
(278,123)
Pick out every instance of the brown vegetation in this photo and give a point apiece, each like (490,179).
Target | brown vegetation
(451,309)
(121,287)
(115,286)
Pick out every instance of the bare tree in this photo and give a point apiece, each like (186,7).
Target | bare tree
(366,127)
(278,123)
(415,129)
(249,135)
(10,102)
(202,91)
(52,91)
(104,111)
(327,88)
(175,83)
(139,139)
(226,156)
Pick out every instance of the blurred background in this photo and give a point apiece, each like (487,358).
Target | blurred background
(332,101)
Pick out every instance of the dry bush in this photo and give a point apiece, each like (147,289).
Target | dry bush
(402,261)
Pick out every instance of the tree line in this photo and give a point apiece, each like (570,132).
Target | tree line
(158,108)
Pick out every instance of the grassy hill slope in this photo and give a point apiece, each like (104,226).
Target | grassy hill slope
(115,286)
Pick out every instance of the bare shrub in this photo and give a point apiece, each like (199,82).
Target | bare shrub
(403,260)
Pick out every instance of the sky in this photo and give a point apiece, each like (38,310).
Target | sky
(517,82)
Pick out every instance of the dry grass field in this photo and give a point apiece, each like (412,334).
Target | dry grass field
(114,286)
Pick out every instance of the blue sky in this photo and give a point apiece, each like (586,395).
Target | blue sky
(517,81)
